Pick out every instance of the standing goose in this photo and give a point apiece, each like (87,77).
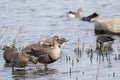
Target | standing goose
(47,53)
(21,60)
(71,14)
(104,42)
(47,42)
(8,52)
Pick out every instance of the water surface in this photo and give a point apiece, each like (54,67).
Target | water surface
(41,19)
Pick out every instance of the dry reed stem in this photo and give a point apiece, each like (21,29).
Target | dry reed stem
(78,47)
(118,52)
(78,44)
(21,47)
(70,71)
(23,41)
(114,74)
(90,53)
(1,29)
(66,58)
(97,72)
(16,37)
(72,62)
(8,37)
(83,46)
(3,33)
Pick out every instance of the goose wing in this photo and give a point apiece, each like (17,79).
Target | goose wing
(105,39)
(40,51)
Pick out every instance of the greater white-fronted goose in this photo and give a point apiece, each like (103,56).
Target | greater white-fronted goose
(71,14)
(47,53)
(47,42)
(21,59)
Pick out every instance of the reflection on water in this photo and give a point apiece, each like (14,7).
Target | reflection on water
(44,72)
(19,72)
(24,74)
(7,65)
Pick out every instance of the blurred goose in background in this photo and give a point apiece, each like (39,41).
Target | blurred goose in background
(47,54)
(108,25)
(71,14)
(8,52)
(21,59)
(104,42)
(88,18)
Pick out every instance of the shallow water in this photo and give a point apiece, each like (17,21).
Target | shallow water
(44,18)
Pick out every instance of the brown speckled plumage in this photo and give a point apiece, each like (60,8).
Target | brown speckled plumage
(8,52)
(21,59)
(47,53)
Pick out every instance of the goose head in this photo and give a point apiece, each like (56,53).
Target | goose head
(59,41)
(95,14)
(55,40)
(79,10)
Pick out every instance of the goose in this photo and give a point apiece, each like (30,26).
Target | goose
(47,42)
(71,14)
(21,59)
(107,25)
(104,42)
(88,18)
(47,53)
(8,52)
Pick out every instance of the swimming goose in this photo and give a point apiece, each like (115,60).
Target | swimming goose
(108,25)
(21,59)
(88,18)
(8,52)
(104,42)
(71,14)
(47,53)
